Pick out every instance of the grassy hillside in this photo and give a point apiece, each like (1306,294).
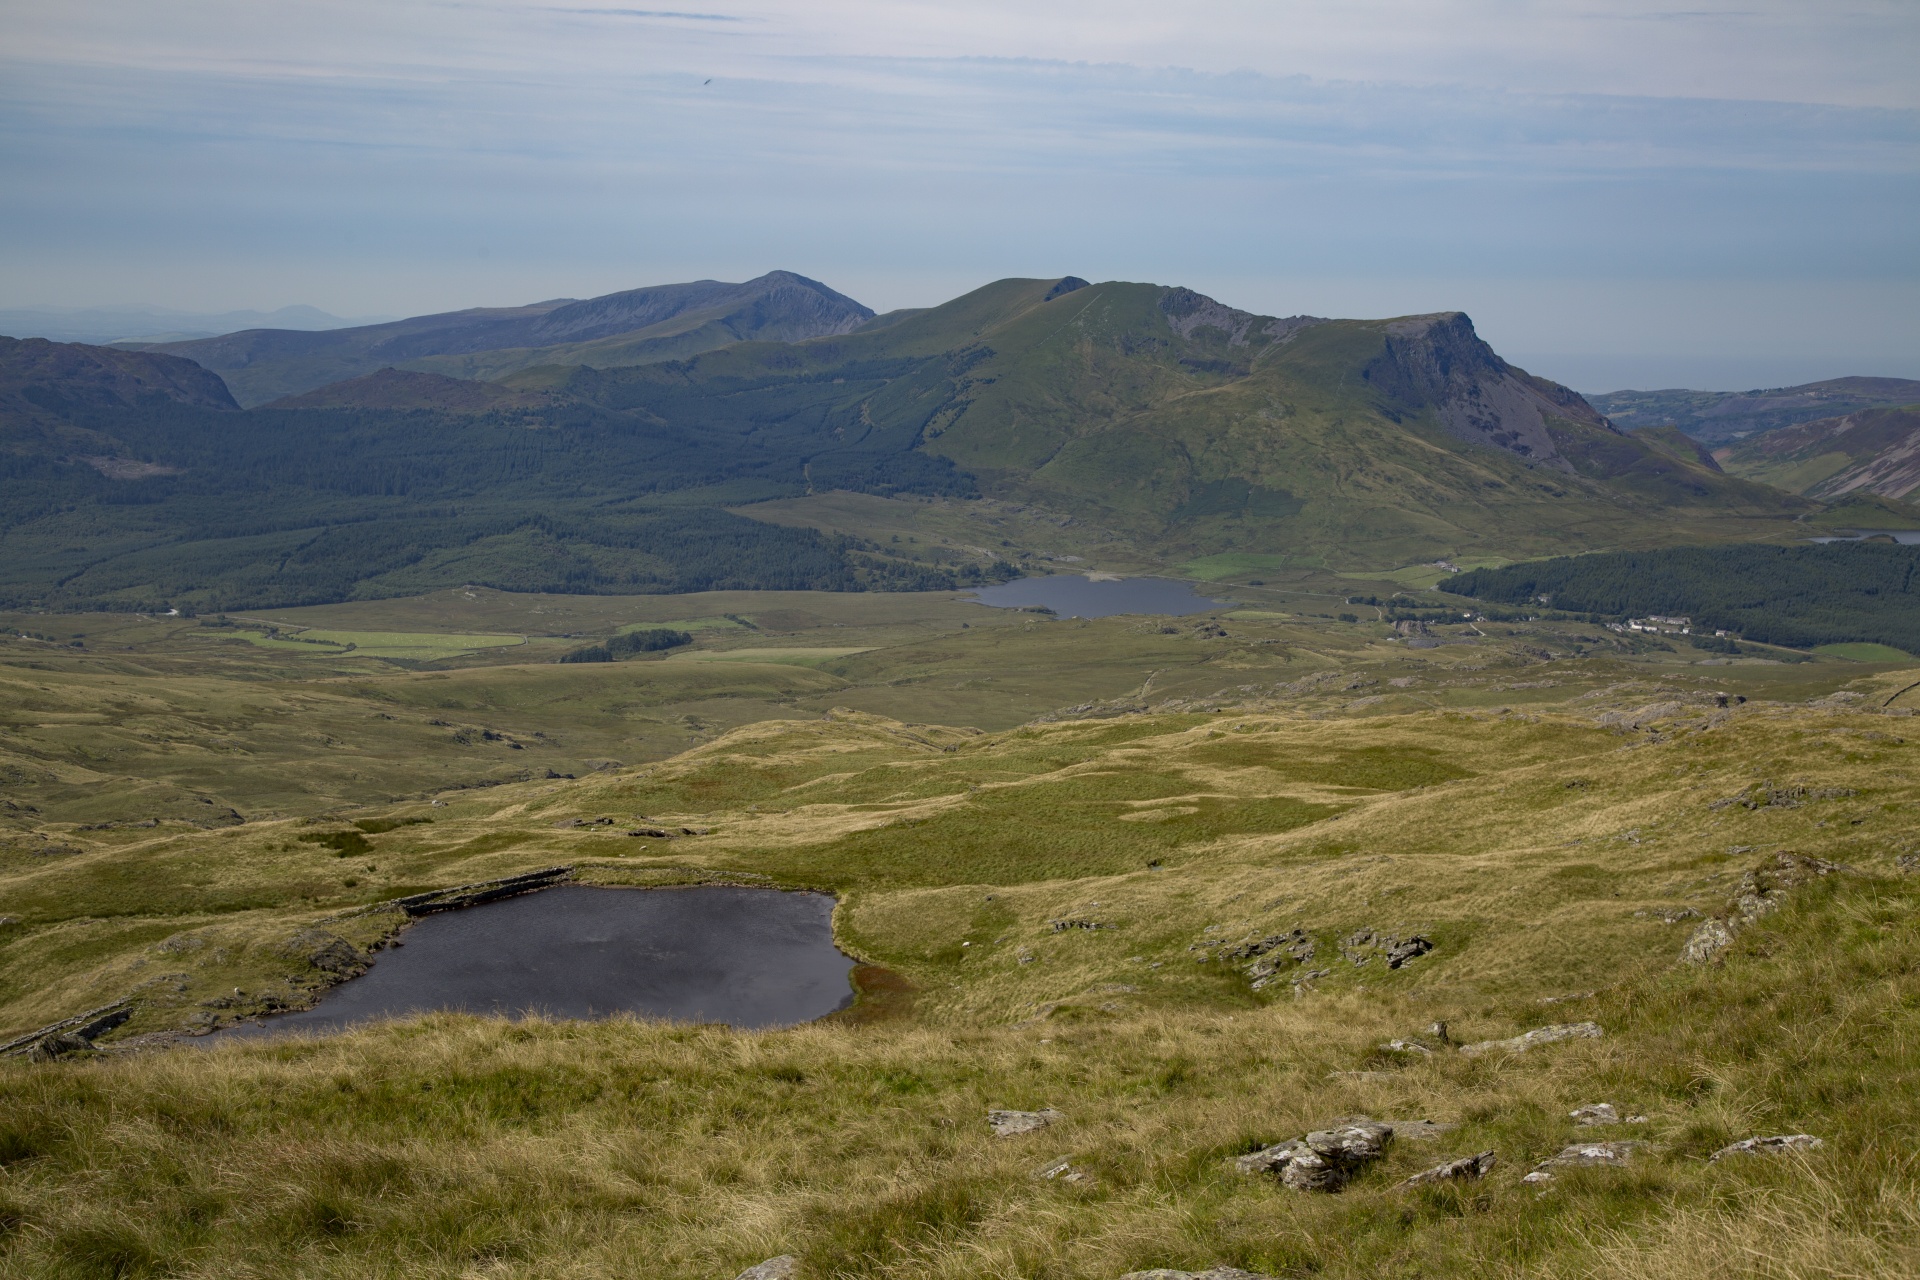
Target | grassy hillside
(1873,451)
(1542,853)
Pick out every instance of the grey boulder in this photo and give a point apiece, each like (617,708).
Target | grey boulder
(1011,1124)
(784,1267)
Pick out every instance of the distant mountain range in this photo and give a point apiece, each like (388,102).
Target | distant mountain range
(1191,428)
(140,324)
(662,322)
(1722,417)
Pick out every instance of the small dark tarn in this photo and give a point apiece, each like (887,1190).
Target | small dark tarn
(709,953)
(1076,596)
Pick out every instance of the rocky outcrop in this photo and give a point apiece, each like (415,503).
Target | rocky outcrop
(1535,1038)
(1011,1124)
(1188,312)
(1780,1145)
(1438,362)
(1760,892)
(1324,1160)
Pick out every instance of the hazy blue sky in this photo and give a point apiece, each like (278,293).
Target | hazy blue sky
(1620,194)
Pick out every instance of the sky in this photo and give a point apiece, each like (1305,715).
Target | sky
(1620,194)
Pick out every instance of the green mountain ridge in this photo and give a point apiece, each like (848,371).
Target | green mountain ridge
(1197,429)
(1180,427)
(653,323)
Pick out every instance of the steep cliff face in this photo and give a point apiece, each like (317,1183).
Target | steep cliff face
(1438,361)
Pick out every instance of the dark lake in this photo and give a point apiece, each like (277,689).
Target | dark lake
(747,957)
(1073,595)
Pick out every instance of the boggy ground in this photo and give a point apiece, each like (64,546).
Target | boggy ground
(1059,904)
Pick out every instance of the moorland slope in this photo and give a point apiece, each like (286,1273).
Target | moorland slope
(1872,451)
(1557,863)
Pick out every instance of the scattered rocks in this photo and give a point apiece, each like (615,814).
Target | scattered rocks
(1465,1169)
(784,1267)
(1362,945)
(1212,1273)
(1602,1113)
(1272,954)
(1061,926)
(1779,1145)
(1323,1160)
(1011,1124)
(1535,1038)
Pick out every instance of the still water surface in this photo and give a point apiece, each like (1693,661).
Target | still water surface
(1907,536)
(710,953)
(1073,595)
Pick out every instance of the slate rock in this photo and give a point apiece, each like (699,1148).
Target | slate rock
(1465,1169)
(1011,1124)
(1779,1145)
(1212,1273)
(1586,1154)
(784,1267)
(1596,1113)
(1537,1037)
(1406,1046)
